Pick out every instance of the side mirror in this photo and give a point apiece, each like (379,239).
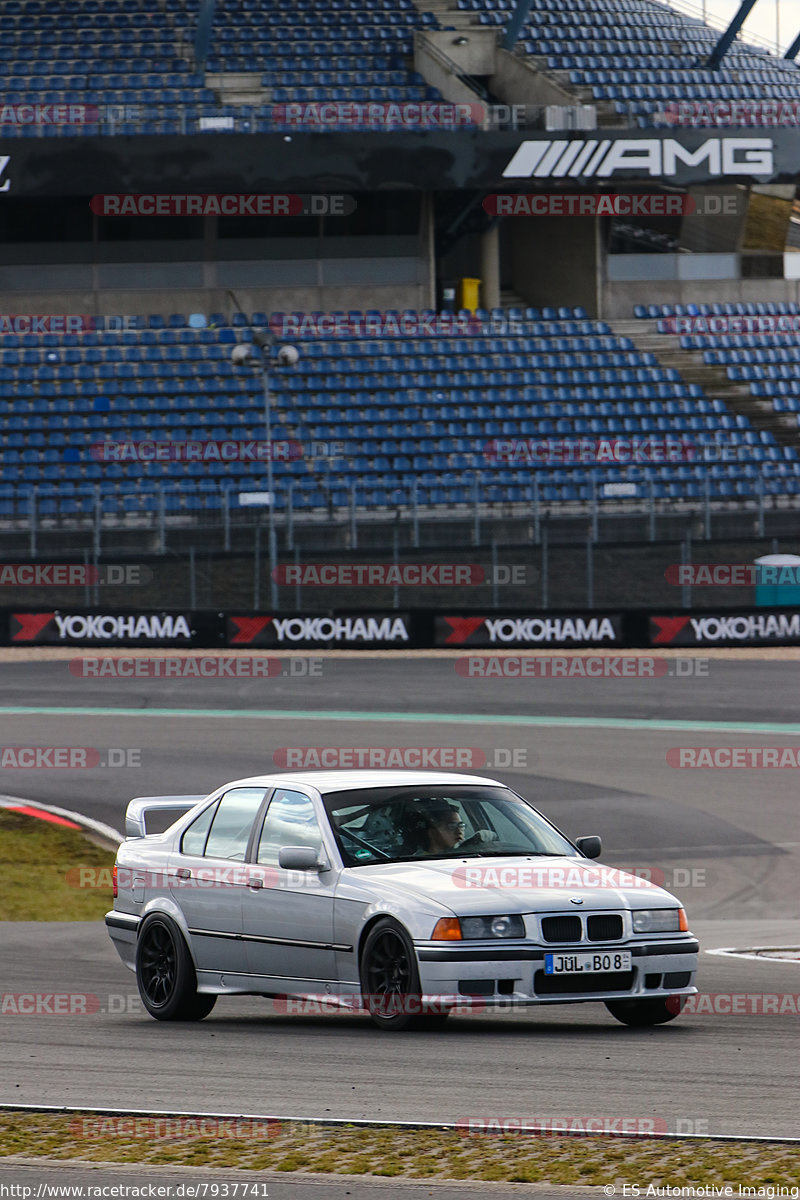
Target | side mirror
(589,846)
(299,858)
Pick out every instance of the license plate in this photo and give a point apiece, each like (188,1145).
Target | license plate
(583,963)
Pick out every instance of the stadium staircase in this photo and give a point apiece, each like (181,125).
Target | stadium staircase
(713,379)
(511,300)
(631,57)
(451,16)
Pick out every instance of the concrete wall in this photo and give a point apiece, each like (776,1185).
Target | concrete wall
(516,81)
(512,79)
(476,57)
(554,259)
(715,232)
(464,258)
(275,275)
(618,299)
(184,300)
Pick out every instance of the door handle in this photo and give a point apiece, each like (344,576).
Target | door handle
(255,882)
(183,873)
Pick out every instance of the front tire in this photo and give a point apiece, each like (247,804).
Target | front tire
(646,1012)
(390,983)
(165,973)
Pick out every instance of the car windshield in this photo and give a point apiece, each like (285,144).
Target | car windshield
(397,824)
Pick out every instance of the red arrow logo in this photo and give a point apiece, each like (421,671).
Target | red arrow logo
(248,629)
(463,628)
(668,629)
(30,625)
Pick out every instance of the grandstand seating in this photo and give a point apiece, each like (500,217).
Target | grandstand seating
(768,359)
(749,308)
(137,55)
(407,411)
(639,54)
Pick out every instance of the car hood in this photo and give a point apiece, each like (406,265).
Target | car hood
(471,886)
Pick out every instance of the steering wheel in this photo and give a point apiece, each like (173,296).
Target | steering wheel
(360,841)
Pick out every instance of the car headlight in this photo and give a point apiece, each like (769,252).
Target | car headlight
(659,920)
(492,927)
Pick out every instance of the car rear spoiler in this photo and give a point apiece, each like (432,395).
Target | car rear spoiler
(137,810)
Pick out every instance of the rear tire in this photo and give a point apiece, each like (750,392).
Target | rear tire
(646,1012)
(165,973)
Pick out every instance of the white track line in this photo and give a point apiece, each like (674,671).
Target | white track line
(105,831)
(755,952)
(445,1126)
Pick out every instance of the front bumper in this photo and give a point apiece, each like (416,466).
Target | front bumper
(514,974)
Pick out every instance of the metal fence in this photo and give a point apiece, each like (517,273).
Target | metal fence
(99,515)
(562,571)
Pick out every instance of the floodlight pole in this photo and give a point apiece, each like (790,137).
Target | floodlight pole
(726,39)
(265,340)
(792,51)
(264,343)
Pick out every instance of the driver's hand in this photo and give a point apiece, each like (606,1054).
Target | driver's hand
(482,835)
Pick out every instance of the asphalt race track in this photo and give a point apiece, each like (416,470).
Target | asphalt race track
(591,753)
(730,1074)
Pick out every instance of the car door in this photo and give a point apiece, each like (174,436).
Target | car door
(287,917)
(209,876)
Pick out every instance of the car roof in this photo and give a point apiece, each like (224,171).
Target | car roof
(340,781)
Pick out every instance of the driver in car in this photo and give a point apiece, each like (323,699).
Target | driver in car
(443,830)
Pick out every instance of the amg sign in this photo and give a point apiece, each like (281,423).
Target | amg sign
(658,157)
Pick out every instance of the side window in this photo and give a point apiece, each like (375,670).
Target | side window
(194,837)
(290,821)
(233,820)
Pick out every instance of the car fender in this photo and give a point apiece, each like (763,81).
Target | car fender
(166,906)
(418,923)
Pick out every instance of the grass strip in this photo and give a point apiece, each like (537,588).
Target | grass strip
(415,1154)
(51,873)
